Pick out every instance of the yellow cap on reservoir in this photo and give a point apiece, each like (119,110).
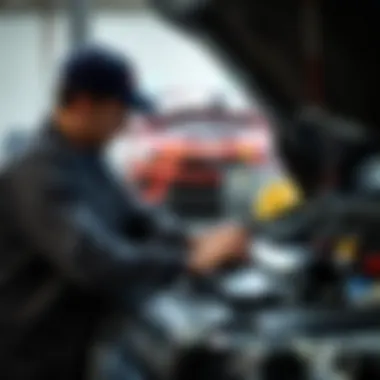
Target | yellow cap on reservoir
(275,199)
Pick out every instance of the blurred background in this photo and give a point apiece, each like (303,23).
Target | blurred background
(36,34)
(192,96)
(206,145)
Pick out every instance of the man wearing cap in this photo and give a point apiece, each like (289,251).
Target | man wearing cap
(74,244)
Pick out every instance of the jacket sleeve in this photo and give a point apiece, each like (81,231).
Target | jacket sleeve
(57,223)
(157,222)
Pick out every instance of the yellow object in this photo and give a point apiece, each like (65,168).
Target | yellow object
(275,199)
(281,196)
(346,250)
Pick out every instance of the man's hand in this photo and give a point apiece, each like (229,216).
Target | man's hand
(216,247)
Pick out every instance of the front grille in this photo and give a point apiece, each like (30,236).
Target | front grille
(195,202)
(195,164)
(203,164)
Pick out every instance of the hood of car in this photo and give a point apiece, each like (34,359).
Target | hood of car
(314,63)
(298,53)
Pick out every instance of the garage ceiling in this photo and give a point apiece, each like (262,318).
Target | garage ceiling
(23,5)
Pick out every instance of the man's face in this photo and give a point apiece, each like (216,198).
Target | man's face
(102,119)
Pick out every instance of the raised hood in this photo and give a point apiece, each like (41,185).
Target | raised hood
(298,53)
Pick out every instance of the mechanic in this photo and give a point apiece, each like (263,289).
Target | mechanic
(75,244)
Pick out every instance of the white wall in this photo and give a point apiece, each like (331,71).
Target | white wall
(32,45)
(21,84)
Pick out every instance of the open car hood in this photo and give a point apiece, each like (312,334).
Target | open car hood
(297,53)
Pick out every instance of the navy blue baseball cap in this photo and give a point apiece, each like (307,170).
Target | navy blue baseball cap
(103,73)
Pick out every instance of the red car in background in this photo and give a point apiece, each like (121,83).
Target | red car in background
(185,159)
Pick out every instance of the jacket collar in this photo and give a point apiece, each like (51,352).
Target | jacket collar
(52,131)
